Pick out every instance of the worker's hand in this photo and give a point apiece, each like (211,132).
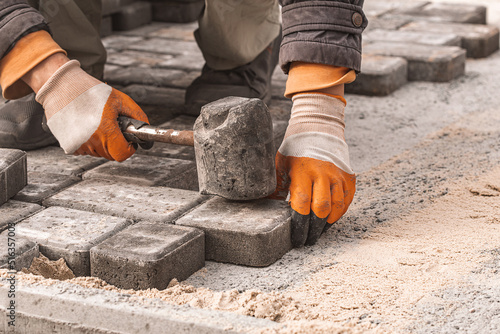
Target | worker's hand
(82,113)
(313,165)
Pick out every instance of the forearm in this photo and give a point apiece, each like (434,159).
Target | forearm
(39,75)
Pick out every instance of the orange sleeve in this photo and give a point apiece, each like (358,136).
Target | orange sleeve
(307,77)
(28,52)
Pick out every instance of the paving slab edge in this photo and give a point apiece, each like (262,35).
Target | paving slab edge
(93,310)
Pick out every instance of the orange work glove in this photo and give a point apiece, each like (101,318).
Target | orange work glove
(313,165)
(82,113)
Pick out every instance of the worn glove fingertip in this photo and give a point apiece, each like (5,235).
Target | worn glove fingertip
(316,228)
(300,228)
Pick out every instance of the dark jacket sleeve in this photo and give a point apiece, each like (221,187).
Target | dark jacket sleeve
(324,32)
(17,19)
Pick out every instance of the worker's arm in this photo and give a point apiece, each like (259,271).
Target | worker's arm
(321,51)
(81,111)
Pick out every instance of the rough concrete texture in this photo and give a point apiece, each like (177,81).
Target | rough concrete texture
(53,160)
(479,40)
(16,252)
(177,11)
(234,148)
(437,38)
(12,212)
(149,255)
(43,185)
(379,76)
(442,12)
(160,77)
(126,200)
(69,234)
(13,173)
(68,308)
(254,233)
(148,171)
(425,63)
(133,16)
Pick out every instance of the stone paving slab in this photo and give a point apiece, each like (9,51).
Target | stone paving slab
(446,12)
(149,255)
(389,22)
(159,77)
(52,160)
(133,16)
(16,252)
(12,212)
(373,9)
(425,63)
(417,37)
(167,98)
(479,40)
(70,234)
(189,62)
(379,76)
(138,59)
(165,46)
(13,173)
(255,233)
(158,204)
(149,171)
(43,185)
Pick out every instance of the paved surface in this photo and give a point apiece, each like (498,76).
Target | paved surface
(407,149)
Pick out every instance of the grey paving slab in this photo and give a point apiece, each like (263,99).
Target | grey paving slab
(42,185)
(280,109)
(182,122)
(177,11)
(12,212)
(127,200)
(149,171)
(388,22)
(373,9)
(189,62)
(379,76)
(120,42)
(255,233)
(479,40)
(159,77)
(165,46)
(52,160)
(69,234)
(16,252)
(447,12)
(187,79)
(133,16)
(13,173)
(135,58)
(279,130)
(160,96)
(425,62)
(418,37)
(149,255)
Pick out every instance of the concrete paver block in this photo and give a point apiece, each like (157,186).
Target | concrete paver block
(255,233)
(16,252)
(177,11)
(149,171)
(53,160)
(182,123)
(373,9)
(133,16)
(43,185)
(166,46)
(149,255)
(451,12)
(15,211)
(13,173)
(144,76)
(69,234)
(388,22)
(189,62)
(379,76)
(124,58)
(479,40)
(417,37)
(158,96)
(425,62)
(127,200)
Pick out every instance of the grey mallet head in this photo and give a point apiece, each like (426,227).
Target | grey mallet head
(234,147)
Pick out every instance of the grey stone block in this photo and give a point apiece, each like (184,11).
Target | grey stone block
(69,234)
(374,9)
(447,12)
(165,46)
(279,130)
(120,42)
(387,23)
(158,96)
(189,62)
(149,255)
(52,160)
(379,76)
(479,40)
(15,211)
(13,173)
(43,185)
(149,171)
(106,28)
(127,200)
(129,58)
(16,252)
(133,16)
(417,37)
(158,77)
(253,233)
(425,62)
(177,11)
(182,122)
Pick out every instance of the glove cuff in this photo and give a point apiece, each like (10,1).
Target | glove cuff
(64,86)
